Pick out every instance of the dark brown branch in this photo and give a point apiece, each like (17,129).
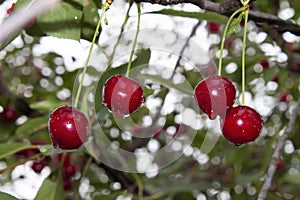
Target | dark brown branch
(229,6)
(275,157)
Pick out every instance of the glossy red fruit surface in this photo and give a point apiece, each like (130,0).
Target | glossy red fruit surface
(9,114)
(214,95)
(38,166)
(242,124)
(68,128)
(122,95)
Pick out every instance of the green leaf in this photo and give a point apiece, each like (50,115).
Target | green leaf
(147,91)
(90,18)
(63,21)
(6,196)
(46,105)
(8,149)
(32,126)
(235,23)
(209,16)
(184,88)
(50,190)
(292,179)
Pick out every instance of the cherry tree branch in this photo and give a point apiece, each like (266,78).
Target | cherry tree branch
(18,20)
(275,157)
(229,6)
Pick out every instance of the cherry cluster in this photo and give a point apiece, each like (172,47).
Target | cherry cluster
(215,96)
(68,170)
(69,128)
(39,164)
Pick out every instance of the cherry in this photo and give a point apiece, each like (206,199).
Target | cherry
(213,27)
(68,128)
(67,184)
(9,114)
(69,170)
(38,166)
(265,63)
(214,95)
(285,97)
(242,124)
(122,95)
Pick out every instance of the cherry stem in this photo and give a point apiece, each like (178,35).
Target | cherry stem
(245,3)
(244,55)
(224,37)
(135,39)
(105,7)
(140,186)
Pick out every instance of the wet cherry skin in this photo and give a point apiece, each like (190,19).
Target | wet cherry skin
(122,95)
(242,125)
(68,128)
(214,95)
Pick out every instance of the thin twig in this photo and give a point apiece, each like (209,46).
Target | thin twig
(227,7)
(38,156)
(193,32)
(18,20)
(275,157)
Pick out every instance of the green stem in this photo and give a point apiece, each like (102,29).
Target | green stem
(244,57)
(245,2)
(135,39)
(140,186)
(105,6)
(224,37)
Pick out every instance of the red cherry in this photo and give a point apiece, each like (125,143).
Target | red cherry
(67,159)
(265,63)
(214,95)
(242,124)
(69,170)
(38,166)
(9,114)
(68,128)
(11,8)
(67,184)
(285,97)
(213,27)
(122,95)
